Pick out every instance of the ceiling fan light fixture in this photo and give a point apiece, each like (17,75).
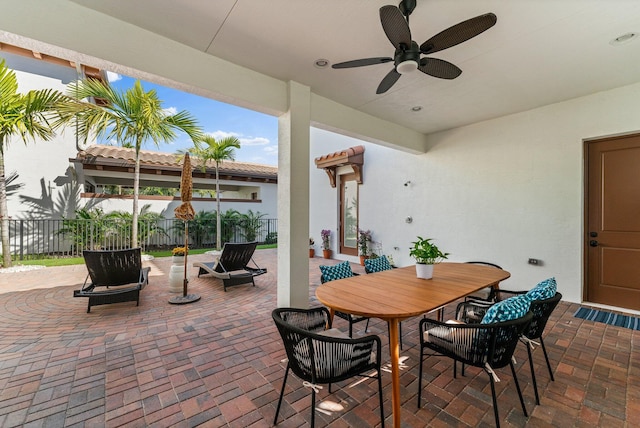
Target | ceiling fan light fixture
(407,66)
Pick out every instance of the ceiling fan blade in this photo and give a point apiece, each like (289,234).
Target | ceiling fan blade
(362,62)
(439,68)
(459,33)
(395,26)
(388,81)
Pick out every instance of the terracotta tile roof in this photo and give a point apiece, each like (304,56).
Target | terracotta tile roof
(342,157)
(120,156)
(353,156)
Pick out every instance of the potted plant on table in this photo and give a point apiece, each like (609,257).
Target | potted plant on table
(312,250)
(364,241)
(426,254)
(326,244)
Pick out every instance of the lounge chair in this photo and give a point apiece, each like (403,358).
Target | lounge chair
(118,274)
(232,265)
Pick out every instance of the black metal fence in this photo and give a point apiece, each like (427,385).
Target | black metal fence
(29,239)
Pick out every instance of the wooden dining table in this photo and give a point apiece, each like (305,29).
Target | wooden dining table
(397,294)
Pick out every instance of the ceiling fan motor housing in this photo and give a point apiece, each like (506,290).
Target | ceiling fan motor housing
(407,59)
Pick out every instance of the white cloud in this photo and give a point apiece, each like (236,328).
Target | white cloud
(219,135)
(169,111)
(244,141)
(271,150)
(113,77)
(254,141)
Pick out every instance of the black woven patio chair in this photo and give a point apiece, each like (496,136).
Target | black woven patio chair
(541,310)
(487,294)
(114,276)
(487,346)
(317,356)
(351,319)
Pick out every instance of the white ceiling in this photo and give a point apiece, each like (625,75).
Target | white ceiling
(539,52)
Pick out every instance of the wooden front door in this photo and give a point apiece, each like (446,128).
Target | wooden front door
(612,241)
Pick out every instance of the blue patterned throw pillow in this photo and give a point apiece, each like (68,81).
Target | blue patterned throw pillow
(339,271)
(376,265)
(507,310)
(544,290)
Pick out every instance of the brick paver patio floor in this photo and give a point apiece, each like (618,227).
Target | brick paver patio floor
(219,363)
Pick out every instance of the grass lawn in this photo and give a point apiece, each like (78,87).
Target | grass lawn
(79,260)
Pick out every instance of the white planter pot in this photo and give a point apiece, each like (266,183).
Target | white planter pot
(176,274)
(424,271)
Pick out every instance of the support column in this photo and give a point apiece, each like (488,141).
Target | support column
(293,198)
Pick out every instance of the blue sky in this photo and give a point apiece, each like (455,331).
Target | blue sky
(257,132)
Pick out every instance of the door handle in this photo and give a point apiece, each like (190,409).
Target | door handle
(593,243)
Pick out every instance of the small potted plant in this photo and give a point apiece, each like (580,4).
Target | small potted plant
(178,253)
(177,269)
(364,240)
(426,254)
(312,250)
(326,244)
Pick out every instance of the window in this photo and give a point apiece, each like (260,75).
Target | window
(349,214)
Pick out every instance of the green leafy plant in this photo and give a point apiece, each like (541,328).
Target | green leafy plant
(202,228)
(251,224)
(229,223)
(272,238)
(326,236)
(364,242)
(148,225)
(87,230)
(426,252)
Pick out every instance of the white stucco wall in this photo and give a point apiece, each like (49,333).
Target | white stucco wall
(503,191)
(268,203)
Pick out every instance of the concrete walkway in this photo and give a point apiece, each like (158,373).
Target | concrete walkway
(219,363)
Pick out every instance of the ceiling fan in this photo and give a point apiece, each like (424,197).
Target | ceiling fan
(395,23)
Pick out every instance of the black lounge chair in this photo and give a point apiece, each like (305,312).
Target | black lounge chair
(118,274)
(232,265)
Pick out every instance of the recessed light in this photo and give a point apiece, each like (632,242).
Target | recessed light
(416,108)
(625,38)
(321,63)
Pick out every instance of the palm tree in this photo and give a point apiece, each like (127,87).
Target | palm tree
(27,115)
(217,151)
(131,118)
